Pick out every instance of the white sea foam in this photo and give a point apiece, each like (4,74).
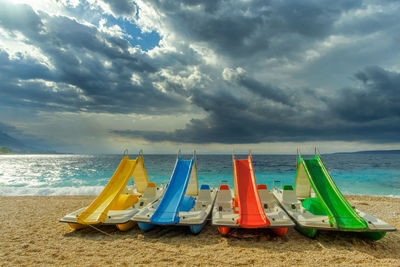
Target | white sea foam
(393,196)
(371,195)
(51,191)
(90,191)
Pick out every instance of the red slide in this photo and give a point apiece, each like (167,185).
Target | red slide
(251,213)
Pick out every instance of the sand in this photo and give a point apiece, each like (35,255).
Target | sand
(32,235)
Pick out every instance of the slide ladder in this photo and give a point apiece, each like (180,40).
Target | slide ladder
(174,199)
(251,213)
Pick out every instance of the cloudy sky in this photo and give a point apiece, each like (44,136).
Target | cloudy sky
(98,76)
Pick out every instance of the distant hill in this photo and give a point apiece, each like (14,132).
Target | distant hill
(5,150)
(18,147)
(372,152)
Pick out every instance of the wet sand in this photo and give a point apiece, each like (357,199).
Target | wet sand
(32,235)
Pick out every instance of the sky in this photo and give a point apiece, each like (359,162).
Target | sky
(216,76)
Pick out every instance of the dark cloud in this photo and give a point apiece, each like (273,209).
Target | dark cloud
(369,114)
(20,18)
(378,97)
(370,22)
(21,67)
(242,29)
(124,7)
(260,71)
(230,120)
(79,78)
(79,89)
(268,91)
(210,6)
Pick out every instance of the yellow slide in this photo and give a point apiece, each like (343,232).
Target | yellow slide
(112,196)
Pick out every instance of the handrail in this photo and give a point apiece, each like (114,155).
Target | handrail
(274,185)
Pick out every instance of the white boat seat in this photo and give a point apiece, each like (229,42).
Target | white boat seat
(266,198)
(148,195)
(289,197)
(204,195)
(224,199)
(204,199)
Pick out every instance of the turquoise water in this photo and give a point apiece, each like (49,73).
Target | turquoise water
(361,174)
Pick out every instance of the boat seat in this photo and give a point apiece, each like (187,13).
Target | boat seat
(224,198)
(266,198)
(265,195)
(289,197)
(148,195)
(204,194)
(204,197)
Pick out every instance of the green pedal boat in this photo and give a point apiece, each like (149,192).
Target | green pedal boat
(317,204)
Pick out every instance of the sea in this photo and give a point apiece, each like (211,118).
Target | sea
(67,174)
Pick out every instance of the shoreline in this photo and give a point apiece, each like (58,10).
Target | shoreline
(32,235)
(101,187)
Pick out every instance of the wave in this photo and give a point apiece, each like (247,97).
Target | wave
(95,190)
(51,191)
(372,195)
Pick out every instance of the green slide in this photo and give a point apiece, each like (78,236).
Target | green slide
(341,215)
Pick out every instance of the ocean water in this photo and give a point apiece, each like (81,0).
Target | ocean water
(360,174)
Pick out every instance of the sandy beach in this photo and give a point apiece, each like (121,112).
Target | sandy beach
(32,235)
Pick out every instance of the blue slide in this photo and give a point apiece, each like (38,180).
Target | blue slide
(174,199)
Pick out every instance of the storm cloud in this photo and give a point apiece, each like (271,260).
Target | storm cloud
(370,113)
(377,98)
(85,69)
(254,28)
(241,71)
